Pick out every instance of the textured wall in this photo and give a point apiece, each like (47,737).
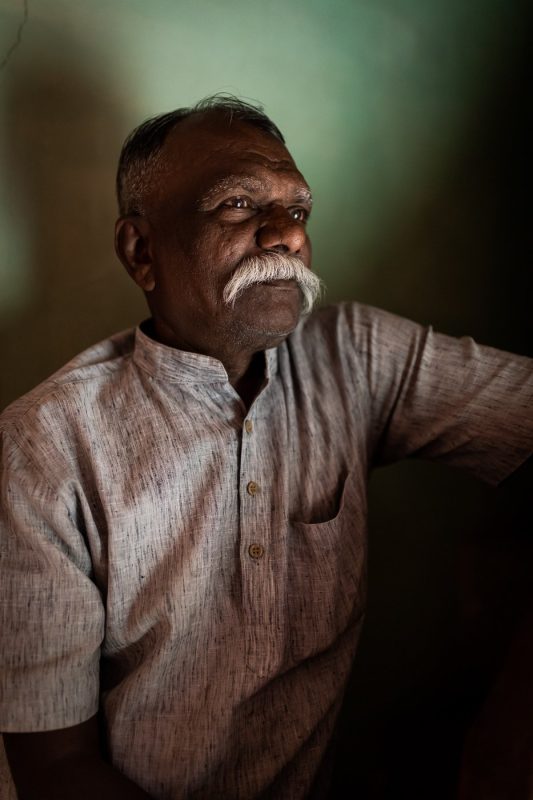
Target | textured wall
(406,118)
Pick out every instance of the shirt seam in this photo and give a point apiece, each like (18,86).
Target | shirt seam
(30,458)
(55,387)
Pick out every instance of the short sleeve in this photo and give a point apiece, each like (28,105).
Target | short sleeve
(437,397)
(51,613)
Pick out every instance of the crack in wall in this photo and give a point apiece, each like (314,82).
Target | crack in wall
(18,38)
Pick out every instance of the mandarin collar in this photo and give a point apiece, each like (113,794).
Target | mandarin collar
(180,366)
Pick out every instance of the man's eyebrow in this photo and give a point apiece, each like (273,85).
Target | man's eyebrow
(249,184)
(246,182)
(304,195)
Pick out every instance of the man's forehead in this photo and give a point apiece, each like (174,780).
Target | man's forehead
(218,124)
(210,137)
(214,153)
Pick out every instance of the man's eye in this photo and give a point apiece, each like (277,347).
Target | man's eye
(299,214)
(238,202)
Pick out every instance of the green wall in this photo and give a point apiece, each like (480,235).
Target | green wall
(376,99)
(406,118)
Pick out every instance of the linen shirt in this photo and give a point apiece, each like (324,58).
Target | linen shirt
(197,570)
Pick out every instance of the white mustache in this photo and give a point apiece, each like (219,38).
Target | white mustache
(274,267)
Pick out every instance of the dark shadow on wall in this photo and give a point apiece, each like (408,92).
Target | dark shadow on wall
(63,135)
(63,132)
(443,652)
(461,258)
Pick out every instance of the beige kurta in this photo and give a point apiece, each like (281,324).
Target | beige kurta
(198,570)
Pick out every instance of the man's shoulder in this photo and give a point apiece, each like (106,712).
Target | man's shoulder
(348,322)
(86,372)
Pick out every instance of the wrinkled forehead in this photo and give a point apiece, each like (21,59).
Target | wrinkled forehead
(209,145)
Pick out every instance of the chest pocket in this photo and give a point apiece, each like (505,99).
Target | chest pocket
(327,575)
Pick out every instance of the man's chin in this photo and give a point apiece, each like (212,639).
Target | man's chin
(261,332)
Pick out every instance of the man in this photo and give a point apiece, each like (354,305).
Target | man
(185,505)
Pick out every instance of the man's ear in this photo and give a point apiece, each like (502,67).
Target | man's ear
(133,245)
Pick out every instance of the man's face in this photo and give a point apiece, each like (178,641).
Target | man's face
(226,193)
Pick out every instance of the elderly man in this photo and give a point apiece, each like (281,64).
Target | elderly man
(184,505)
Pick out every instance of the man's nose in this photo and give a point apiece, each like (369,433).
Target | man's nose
(281,232)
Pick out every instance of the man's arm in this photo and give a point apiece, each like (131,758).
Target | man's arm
(437,397)
(66,764)
(52,623)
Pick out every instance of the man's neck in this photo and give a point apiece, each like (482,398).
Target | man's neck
(245,368)
(250,384)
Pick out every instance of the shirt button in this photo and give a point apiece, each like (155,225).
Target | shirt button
(252,488)
(248,426)
(256,551)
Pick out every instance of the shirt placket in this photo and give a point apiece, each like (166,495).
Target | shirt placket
(256,547)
